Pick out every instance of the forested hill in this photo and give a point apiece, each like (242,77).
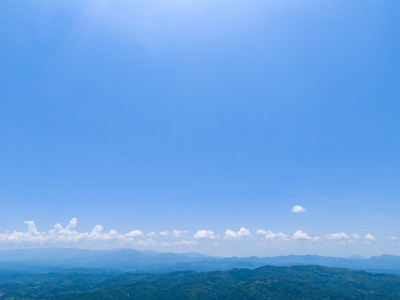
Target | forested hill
(296,282)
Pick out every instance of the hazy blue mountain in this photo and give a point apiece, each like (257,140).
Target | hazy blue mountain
(54,259)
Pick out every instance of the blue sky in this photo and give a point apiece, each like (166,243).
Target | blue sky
(202,115)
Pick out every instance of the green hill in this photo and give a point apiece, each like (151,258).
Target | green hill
(297,282)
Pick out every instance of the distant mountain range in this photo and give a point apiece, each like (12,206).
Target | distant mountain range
(129,260)
(286,283)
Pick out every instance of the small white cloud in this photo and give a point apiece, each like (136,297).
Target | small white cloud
(355,236)
(337,236)
(113,232)
(298,209)
(391,238)
(134,233)
(164,233)
(369,237)
(269,235)
(203,234)
(31,227)
(151,234)
(72,224)
(96,232)
(230,234)
(300,235)
(178,233)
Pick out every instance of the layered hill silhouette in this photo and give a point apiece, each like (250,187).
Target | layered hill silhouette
(296,282)
(129,260)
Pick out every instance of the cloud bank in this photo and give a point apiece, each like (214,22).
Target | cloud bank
(174,240)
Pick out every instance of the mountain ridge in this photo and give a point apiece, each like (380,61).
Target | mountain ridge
(128,260)
(268,282)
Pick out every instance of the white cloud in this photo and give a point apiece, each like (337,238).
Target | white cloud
(243,232)
(391,238)
(298,209)
(269,235)
(31,227)
(300,235)
(71,225)
(99,238)
(369,237)
(96,232)
(67,235)
(203,234)
(337,236)
(134,233)
(178,233)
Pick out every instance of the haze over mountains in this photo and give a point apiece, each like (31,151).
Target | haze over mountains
(50,259)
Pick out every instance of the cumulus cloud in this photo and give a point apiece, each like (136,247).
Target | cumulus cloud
(72,224)
(262,231)
(98,237)
(31,227)
(67,235)
(178,233)
(298,209)
(300,235)
(269,235)
(203,234)
(243,232)
(337,236)
(134,233)
(369,237)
